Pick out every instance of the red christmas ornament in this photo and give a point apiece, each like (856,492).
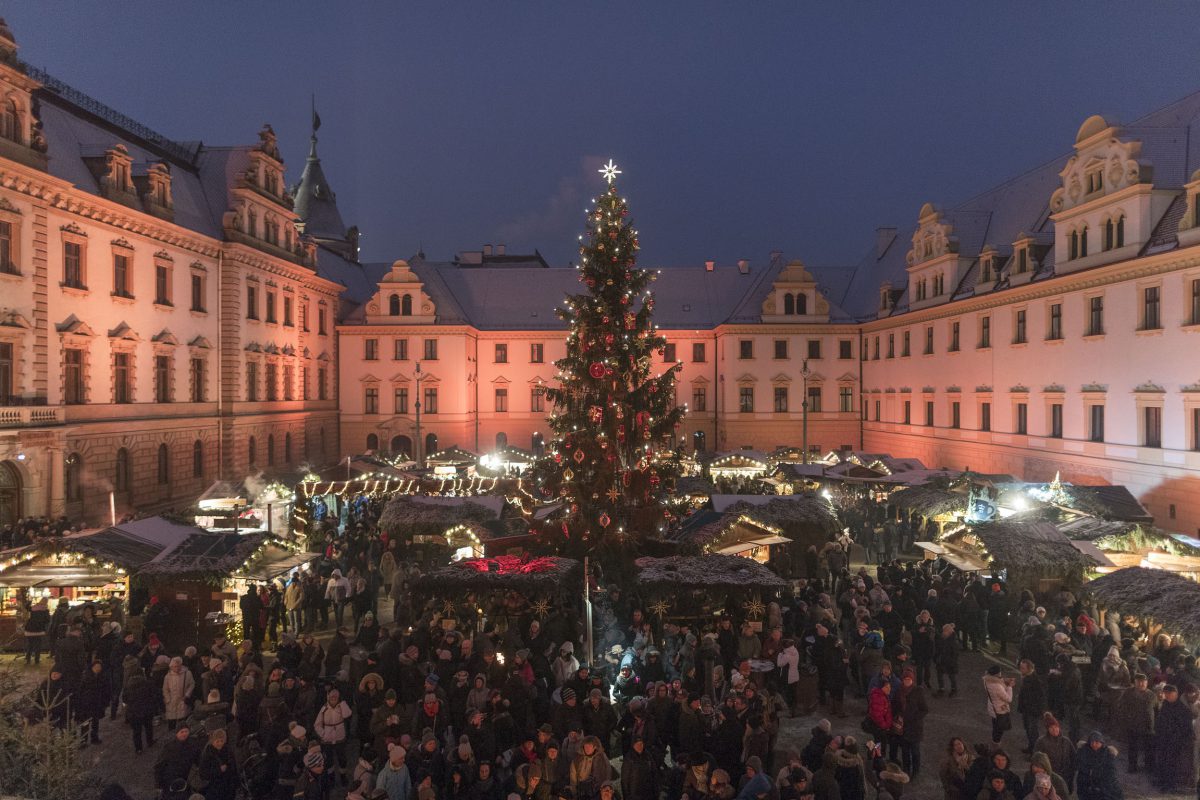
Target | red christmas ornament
(580,456)
(596,414)
(609,339)
(605,520)
(624,298)
(626,478)
(596,370)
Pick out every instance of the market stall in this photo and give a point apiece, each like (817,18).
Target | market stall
(1157,599)
(1032,554)
(698,588)
(931,504)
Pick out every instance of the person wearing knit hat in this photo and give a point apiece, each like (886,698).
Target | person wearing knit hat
(892,780)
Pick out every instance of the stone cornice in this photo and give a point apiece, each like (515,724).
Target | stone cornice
(67,197)
(245,255)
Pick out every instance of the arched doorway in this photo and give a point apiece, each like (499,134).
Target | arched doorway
(402,446)
(501,440)
(538,445)
(698,441)
(430,444)
(10,494)
(372,442)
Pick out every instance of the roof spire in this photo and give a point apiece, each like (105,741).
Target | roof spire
(316,125)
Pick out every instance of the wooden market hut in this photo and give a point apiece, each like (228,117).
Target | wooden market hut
(786,524)
(942,506)
(1131,544)
(697,587)
(1161,599)
(432,529)
(1034,553)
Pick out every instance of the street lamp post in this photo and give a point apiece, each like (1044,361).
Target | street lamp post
(804,373)
(417,405)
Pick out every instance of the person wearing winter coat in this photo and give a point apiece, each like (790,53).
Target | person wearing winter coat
(1043,788)
(879,710)
(139,709)
(924,633)
(589,769)
(1133,712)
(1096,778)
(91,699)
(218,768)
(1058,748)
(955,767)
(911,707)
(824,783)
(175,760)
(999,700)
(1031,701)
(1174,743)
(331,727)
(36,627)
(639,772)
(566,665)
(991,763)
(945,660)
(393,777)
(1039,765)
(756,783)
(995,788)
(788,663)
(850,772)
(178,687)
(812,754)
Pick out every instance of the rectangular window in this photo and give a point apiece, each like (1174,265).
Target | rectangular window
(8,369)
(955,414)
(928,340)
(1054,328)
(73,265)
(197,292)
(501,353)
(955,329)
(6,249)
(400,349)
(845,398)
(289,382)
(1095,316)
(814,348)
(699,398)
(430,406)
(501,400)
(122,280)
(537,353)
(196,375)
(1023,260)
(875,350)
(122,378)
(400,398)
(1056,421)
(929,413)
(781,399)
(537,399)
(1196,429)
(304,395)
(287,311)
(746,348)
(746,399)
(1019,327)
(272,381)
(1152,426)
(985,332)
(698,354)
(1022,426)
(908,412)
(878,416)
(431,349)
(669,353)
(781,348)
(271,307)
(814,398)
(1194,317)
(322,383)
(1096,423)
(906,344)
(891,350)
(845,348)
(985,416)
(371,400)
(73,393)
(321,321)
(1151,306)
(162,379)
(162,284)
(251,301)
(252,381)
(370,349)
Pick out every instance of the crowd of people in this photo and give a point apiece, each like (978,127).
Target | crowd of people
(483,698)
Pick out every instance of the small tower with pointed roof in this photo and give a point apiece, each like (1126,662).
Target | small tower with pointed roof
(316,204)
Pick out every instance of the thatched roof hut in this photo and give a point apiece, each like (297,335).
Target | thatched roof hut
(1034,552)
(1167,598)
(415,515)
(544,575)
(708,572)
(929,501)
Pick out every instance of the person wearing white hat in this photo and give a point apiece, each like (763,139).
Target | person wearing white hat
(393,777)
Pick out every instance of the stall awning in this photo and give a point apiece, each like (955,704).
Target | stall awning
(58,576)
(964,562)
(750,544)
(274,563)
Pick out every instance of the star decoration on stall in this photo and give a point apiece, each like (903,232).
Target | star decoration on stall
(660,608)
(609,171)
(754,608)
(614,494)
(541,607)
(448,608)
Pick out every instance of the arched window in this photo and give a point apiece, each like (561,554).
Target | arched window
(538,445)
(501,440)
(73,478)
(698,441)
(431,443)
(1109,234)
(10,121)
(789,304)
(252,451)
(402,446)
(164,464)
(394,305)
(252,223)
(1083,237)
(287,448)
(121,473)
(406,306)
(270,449)
(197,459)
(372,442)
(1073,245)
(801,303)
(1121,231)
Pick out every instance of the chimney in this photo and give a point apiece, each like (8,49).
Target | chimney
(487,249)
(744,266)
(883,240)
(776,255)
(709,266)
(499,249)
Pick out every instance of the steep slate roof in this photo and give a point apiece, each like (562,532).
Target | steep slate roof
(1021,204)
(315,201)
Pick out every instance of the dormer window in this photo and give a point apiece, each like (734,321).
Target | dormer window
(271,181)
(986,270)
(1083,241)
(1023,261)
(1095,181)
(883,300)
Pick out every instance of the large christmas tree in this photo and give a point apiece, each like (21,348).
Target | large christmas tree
(614,413)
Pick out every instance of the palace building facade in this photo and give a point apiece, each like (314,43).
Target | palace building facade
(172,314)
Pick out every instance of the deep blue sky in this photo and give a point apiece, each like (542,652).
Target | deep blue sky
(742,127)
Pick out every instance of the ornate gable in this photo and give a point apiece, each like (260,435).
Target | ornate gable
(794,297)
(401,299)
(1102,165)
(933,262)
(933,238)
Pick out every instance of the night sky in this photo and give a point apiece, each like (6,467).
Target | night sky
(741,127)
